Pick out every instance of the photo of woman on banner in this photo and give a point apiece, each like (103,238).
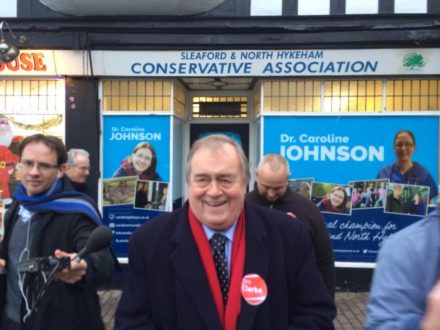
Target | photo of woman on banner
(356,200)
(141,198)
(407,199)
(119,191)
(163,198)
(160,195)
(141,162)
(405,170)
(152,195)
(336,198)
(368,194)
(302,186)
(417,205)
(382,194)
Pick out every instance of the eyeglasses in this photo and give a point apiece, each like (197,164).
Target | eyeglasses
(400,145)
(29,165)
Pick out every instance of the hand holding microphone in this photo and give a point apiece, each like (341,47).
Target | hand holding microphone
(99,239)
(74,272)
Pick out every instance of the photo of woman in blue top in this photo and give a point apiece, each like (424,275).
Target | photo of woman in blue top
(405,170)
(417,205)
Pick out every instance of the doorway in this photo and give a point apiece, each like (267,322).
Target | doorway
(238,132)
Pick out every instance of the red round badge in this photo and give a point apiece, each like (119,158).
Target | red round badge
(253,289)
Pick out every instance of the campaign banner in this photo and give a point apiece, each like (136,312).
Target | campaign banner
(136,173)
(345,154)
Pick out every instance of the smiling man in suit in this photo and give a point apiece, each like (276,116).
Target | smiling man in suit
(220,263)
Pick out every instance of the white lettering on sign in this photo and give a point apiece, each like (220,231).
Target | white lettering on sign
(333,153)
(251,289)
(135,136)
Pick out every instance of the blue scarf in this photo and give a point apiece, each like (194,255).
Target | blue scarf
(59,200)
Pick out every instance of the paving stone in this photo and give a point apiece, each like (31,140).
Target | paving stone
(350,305)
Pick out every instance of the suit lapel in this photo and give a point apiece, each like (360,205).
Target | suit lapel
(191,275)
(256,262)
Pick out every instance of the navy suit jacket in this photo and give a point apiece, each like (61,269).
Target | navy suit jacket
(166,286)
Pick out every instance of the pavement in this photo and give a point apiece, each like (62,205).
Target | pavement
(351,309)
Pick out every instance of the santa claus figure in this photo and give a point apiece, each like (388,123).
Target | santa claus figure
(7,159)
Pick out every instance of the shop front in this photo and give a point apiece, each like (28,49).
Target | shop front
(332,114)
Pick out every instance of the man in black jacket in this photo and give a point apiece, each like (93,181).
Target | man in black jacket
(77,169)
(49,218)
(272,190)
(393,202)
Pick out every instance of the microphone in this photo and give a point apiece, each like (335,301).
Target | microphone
(99,239)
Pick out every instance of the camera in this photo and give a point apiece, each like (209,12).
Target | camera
(45,264)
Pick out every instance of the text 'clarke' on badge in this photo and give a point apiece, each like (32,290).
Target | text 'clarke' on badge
(253,289)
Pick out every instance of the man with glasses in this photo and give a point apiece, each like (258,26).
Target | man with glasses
(49,218)
(78,169)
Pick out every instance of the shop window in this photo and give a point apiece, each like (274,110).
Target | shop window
(32,106)
(32,96)
(136,95)
(179,103)
(372,95)
(352,95)
(294,95)
(413,95)
(220,107)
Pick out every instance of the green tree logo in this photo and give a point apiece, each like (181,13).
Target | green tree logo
(413,61)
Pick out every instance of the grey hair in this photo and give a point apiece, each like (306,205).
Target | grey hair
(275,162)
(397,186)
(305,184)
(215,142)
(72,153)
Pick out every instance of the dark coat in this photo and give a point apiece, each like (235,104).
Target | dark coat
(394,205)
(166,286)
(80,186)
(306,212)
(63,306)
